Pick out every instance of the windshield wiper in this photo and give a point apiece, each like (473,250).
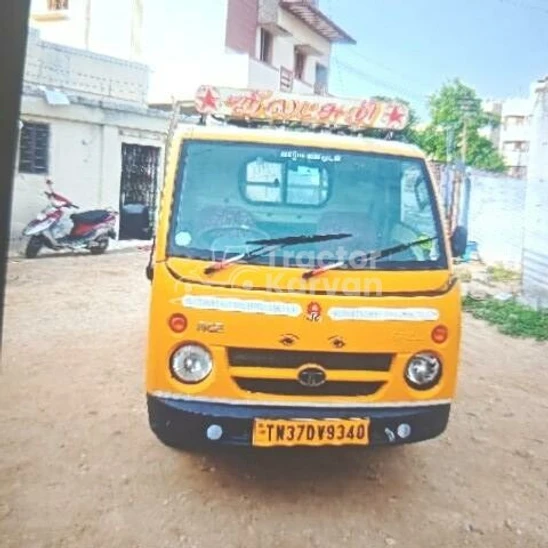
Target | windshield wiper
(268,245)
(379,254)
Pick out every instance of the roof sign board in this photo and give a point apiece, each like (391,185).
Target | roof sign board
(309,110)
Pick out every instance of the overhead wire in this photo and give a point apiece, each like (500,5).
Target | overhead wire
(333,58)
(379,64)
(525,5)
(384,84)
(405,91)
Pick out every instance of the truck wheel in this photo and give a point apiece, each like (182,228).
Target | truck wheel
(100,247)
(33,247)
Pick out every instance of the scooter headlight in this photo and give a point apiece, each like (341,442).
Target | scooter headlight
(191,363)
(423,371)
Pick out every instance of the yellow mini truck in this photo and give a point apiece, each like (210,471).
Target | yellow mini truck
(302,288)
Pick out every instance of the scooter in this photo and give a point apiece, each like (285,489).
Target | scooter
(56,229)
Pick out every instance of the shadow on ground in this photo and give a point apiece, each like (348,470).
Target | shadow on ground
(285,473)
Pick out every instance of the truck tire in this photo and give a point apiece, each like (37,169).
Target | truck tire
(34,246)
(100,248)
(180,444)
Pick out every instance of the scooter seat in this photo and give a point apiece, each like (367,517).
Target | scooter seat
(92,217)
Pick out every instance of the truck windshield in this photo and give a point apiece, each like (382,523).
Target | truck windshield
(229,195)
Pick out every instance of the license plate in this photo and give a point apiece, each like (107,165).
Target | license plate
(288,433)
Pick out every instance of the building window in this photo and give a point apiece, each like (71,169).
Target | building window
(320,84)
(265,52)
(58,5)
(300,63)
(515,121)
(520,172)
(515,146)
(34,148)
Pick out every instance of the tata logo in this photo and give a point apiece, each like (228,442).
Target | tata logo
(210,327)
(312,376)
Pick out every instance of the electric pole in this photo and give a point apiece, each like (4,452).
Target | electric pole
(136,30)
(466,106)
(464,139)
(449,142)
(87,24)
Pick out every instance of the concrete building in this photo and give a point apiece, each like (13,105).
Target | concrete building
(512,137)
(86,125)
(535,243)
(264,44)
(492,132)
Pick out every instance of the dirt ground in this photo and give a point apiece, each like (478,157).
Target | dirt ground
(79,466)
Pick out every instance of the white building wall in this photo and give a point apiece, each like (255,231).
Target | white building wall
(262,76)
(535,254)
(83,72)
(496,218)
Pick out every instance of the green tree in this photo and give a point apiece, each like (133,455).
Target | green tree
(456,111)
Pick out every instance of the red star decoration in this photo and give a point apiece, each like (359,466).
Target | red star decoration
(208,101)
(395,116)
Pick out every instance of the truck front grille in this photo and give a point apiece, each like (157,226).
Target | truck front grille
(293,359)
(241,360)
(293,388)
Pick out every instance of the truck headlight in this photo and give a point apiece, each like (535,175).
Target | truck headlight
(423,371)
(191,363)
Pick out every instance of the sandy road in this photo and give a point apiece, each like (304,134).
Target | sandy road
(79,466)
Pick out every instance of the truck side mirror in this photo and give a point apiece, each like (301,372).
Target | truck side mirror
(149,272)
(459,241)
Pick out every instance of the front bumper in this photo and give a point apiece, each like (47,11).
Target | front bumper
(185,422)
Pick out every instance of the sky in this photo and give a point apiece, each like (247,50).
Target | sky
(409,48)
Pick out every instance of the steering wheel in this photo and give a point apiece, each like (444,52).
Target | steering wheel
(408,234)
(229,239)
